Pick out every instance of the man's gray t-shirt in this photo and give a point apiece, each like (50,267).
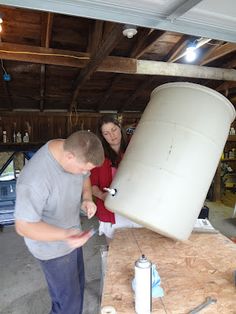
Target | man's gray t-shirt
(46,192)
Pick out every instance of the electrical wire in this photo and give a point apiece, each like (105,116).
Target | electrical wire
(44,54)
(5,72)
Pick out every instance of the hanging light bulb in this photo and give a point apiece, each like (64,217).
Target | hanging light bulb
(191,53)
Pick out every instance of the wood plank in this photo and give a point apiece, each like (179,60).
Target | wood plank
(96,59)
(145,42)
(43,55)
(45,42)
(95,37)
(113,64)
(146,84)
(219,52)
(190,271)
(226,86)
(46,32)
(177,49)
(116,79)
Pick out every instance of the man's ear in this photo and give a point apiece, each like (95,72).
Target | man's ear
(70,155)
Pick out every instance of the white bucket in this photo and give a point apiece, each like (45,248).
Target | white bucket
(171,160)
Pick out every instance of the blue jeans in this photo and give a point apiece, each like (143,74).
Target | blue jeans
(65,279)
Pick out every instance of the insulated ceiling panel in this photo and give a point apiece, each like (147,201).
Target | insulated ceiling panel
(206,18)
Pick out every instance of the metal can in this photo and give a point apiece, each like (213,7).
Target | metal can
(143,286)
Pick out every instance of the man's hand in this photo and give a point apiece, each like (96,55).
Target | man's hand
(89,207)
(76,238)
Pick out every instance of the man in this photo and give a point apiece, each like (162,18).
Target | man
(51,189)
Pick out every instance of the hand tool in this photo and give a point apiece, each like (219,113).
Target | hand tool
(209,300)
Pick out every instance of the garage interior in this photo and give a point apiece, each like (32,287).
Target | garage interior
(64,65)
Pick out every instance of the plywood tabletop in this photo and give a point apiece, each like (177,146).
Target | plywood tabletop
(190,271)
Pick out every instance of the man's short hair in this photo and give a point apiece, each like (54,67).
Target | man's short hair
(86,146)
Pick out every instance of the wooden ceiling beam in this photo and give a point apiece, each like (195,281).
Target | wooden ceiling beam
(219,52)
(47,21)
(146,84)
(95,37)
(139,42)
(226,88)
(217,84)
(145,41)
(96,59)
(46,34)
(109,92)
(138,49)
(176,50)
(115,64)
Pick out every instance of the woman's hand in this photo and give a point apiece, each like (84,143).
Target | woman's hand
(103,196)
(89,207)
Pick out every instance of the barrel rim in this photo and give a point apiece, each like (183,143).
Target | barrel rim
(199,87)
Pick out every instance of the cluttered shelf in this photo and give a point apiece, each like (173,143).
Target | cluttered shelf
(228,159)
(4,147)
(232,138)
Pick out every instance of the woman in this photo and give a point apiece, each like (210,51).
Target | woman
(114,142)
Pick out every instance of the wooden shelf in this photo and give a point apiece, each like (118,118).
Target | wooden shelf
(228,159)
(20,147)
(217,178)
(232,138)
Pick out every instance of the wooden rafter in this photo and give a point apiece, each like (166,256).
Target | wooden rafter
(95,37)
(96,59)
(109,92)
(112,64)
(146,83)
(145,42)
(217,84)
(219,52)
(176,50)
(46,33)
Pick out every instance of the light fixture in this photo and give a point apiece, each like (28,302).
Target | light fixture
(191,53)
(129,31)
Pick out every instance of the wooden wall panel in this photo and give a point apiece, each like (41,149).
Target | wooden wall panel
(45,126)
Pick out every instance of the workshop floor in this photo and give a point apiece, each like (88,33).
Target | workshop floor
(22,286)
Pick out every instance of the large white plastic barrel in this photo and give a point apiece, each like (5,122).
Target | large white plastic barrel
(171,160)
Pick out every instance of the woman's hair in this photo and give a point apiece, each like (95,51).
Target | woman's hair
(109,152)
(86,147)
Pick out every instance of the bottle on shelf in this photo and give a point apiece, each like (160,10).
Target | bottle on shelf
(232,131)
(14,137)
(26,137)
(18,137)
(231,154)
(4,136)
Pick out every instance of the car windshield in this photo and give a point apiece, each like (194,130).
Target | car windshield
(8,173)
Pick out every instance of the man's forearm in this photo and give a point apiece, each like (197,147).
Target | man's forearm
(40,231)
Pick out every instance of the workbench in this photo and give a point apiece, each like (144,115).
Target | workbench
(190,271)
